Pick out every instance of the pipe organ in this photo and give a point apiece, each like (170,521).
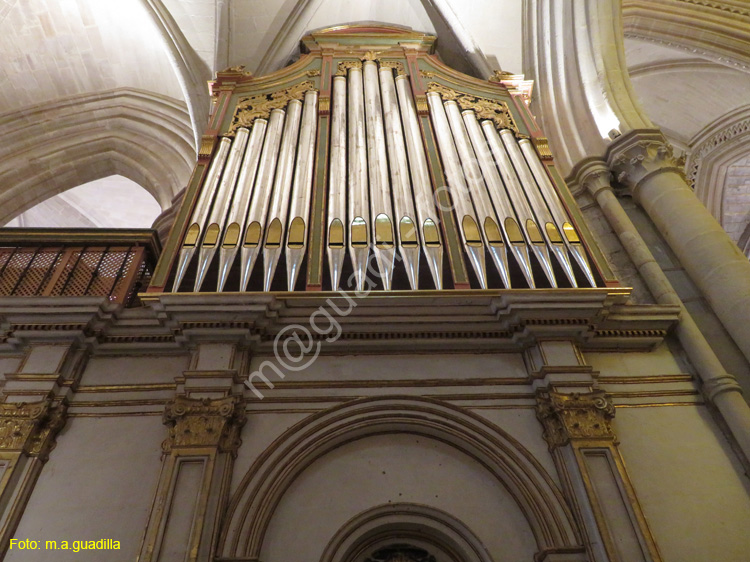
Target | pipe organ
(370,164)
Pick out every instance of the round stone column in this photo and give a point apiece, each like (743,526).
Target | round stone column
(642,160)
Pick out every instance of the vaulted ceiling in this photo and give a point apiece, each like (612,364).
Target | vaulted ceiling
(92,88)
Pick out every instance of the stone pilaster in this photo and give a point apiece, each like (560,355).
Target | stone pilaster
(578,430)
(204,423)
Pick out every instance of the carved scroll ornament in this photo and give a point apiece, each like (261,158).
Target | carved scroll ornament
(495,110)
(567,417)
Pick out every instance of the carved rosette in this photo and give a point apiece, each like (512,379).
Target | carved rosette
(567,417)
(204,423)
(639,156)
(31,428)
(495,110)
(251,108)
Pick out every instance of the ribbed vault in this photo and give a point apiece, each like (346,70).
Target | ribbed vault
(142,136)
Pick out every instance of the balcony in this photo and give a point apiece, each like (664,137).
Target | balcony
(50,262)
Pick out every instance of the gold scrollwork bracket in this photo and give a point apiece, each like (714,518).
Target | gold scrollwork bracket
(394,64)
(495,110)
(204,423)
(574,416)
(31,428)
(250,108)
(542,147)
(345,65)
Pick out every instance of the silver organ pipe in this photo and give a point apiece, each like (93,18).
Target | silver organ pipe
(257,195)
(467,220)
(407,232)
(256,219)
(336,248)
(487,219)
(358,200)
(217,219)
(276,218)
(381,211)
(299,212)
(200,212)
(550,232)
(238,207)
(508,221)
(420,181)
(570,236)
(528,223)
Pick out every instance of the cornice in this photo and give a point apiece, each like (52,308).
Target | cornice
(476,321)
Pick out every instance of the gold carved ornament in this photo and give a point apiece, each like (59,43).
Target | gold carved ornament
(495,110)
(31,428)
(568,417)
(343,66)
(204,423)
(250,108)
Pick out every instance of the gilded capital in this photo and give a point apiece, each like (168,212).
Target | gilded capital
(204,423)
(640,154)
(567,417)
(31,428)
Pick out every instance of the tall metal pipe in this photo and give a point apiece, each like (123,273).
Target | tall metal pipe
(358,199)
(278,210)
(507,217)
(217,218)
(381,210)
(299,211)
(256,218)
(200,212)
(550,232)
(230,242)
(467,220)
(528,223)
(420,181)
(570,236)
(486,216)
(336,247)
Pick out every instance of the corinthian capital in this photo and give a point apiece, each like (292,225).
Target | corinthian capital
(31,428)
(204,423)
(567,417)
(640,154)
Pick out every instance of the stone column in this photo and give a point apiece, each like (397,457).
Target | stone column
(642,160)
(204,420)
(719,387)
(577,420)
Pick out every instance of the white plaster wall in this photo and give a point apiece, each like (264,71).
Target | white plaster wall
(692,490)
(393,469)
(140,369)
(98,484)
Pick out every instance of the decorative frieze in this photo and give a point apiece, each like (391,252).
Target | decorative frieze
(204,423)
(567,417)
(31,428)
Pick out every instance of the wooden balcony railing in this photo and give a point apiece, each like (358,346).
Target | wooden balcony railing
(77,262)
